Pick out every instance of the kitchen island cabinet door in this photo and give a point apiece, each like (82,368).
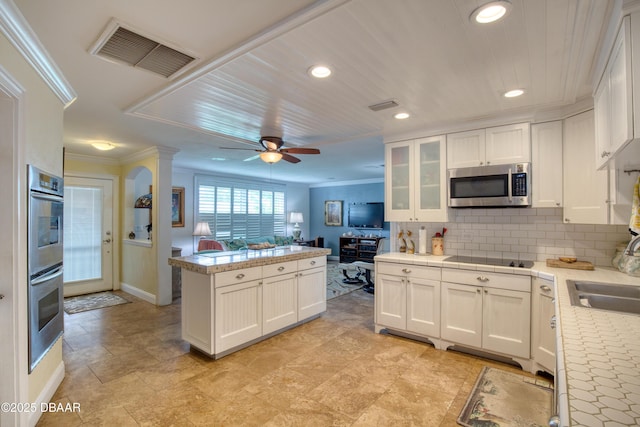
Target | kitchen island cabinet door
(506,325)
(279,302)
(462,314)
(238,314)
(312,292)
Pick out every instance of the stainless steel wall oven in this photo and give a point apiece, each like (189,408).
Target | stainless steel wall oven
(45,215)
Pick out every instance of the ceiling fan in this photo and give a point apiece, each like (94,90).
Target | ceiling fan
(273,151)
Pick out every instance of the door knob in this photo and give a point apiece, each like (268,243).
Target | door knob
(1,296)
(106,241)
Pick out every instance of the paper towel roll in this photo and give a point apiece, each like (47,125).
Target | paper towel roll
(422,241)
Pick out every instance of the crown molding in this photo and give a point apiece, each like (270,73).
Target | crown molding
(91,159)
(16,28)
(354,182)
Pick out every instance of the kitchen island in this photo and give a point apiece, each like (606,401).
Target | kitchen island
(597,352)
(233,299)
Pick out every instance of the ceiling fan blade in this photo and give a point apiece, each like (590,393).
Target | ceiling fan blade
(289,158)
(300,150)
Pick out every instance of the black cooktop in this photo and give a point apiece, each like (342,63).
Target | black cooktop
(490,261)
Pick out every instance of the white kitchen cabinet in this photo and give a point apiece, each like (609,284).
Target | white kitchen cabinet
(408,299)
(543,340)
(238,314)
(585,192)
(546,164)
(279,302)
(614,99)
(415,180)
(312,287)
(489,311)
(491,146)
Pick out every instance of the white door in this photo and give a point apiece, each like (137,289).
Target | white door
(461,314)
(279,302)
(88,238)
(391,301)
(506,326)
(423,306)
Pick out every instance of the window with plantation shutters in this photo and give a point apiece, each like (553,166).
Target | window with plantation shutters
(240,209)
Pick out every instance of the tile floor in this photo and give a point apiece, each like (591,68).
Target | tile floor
(127,366)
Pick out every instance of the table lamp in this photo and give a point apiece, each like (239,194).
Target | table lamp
(296,218)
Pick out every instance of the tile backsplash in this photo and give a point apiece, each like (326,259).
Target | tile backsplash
(529,234)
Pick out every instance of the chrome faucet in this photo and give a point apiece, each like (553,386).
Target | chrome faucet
(632,246)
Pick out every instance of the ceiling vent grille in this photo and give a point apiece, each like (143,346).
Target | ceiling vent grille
(384,105)
(141,52)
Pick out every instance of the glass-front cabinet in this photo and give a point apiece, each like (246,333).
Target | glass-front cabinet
(415,180)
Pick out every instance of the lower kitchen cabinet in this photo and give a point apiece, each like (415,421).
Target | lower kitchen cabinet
(408,298)
(279,302)
(312,288)
(489,311)
(238,314)
(543,340)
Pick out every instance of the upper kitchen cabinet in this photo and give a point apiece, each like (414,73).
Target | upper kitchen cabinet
(546,164)
(585,188)
(492,146)
(415,180)
(613,101)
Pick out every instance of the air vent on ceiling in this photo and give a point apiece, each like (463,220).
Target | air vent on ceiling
(384,105)
(139,51)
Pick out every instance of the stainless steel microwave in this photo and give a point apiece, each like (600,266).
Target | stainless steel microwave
(490,186)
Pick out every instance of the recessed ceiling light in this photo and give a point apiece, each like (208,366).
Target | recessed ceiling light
(320,71)
(513,93)
(491,12)
(401,116)
(103,145)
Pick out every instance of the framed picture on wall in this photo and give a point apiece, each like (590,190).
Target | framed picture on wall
(333,212)
(177,206)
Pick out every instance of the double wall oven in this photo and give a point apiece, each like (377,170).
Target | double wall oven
(45,214)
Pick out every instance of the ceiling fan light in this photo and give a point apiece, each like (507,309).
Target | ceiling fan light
(270,156)
(103,145)
(491,12)
(513,93)
(320,71)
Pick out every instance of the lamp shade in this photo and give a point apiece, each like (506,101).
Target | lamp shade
(202,229)
(143,202)
(296,217)
(270,156)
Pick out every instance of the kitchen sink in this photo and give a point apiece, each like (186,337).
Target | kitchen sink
(605,296)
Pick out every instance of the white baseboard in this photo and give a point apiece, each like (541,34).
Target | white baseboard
(47,393)
(136,292)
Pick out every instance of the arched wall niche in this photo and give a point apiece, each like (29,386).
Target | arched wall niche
(137,183)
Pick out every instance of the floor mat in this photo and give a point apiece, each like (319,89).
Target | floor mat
(501,399)
(92,302)
(335,286)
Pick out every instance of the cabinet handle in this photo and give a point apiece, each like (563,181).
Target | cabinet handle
(406,270)
(552,322)
(482,278)
(240,276)
(478,291)
(280,268)
(605,154)
(313,263)
(545,288)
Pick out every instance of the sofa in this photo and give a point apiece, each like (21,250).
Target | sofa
(239,244)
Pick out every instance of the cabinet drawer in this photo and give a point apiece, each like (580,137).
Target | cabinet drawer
(279,268)
(420,271)
(237,276)
(515,282)
(307,263)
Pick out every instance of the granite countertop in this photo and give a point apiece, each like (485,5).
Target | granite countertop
(598,351)
(216,262)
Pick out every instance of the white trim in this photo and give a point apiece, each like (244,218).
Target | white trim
(354,182)
(24,39)
(92,159)
(136,292)
(132,242)
(47,393)
(159,151)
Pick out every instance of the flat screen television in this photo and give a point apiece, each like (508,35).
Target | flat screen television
(366,215)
